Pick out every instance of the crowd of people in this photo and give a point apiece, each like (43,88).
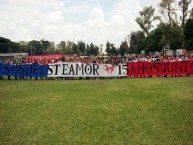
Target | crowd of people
(100,60)
(160,58)
(105,60)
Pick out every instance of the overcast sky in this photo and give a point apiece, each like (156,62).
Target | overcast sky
(93,21)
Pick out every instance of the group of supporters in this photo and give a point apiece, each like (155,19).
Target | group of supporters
(100,60)
(160,58)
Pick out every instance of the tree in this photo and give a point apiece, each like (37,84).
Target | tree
(82,47)
(62,46)
(14,47)
(167,7)
(88,50)
(7,46)
(124,48)
(92,50)
(66,47)
(111,49)
(184,5)
(51,49)
(34,47)
(191,13)
(95,50)
(75,49)
(44,46)
(154,41)
(175,38)
(164,35)
(108,48)
(188,34)
(146,18)
(4,45)
(136,40)
(23,47)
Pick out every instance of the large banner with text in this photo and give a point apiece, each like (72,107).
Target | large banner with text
(64,70)
(98,70)
(159,68)
(86,70)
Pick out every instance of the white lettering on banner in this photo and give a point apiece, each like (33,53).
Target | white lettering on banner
(86,70)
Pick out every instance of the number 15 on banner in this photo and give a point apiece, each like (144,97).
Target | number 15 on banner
(123,69)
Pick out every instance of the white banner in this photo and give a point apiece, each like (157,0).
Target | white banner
(86,70)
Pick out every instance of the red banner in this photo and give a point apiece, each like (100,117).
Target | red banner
(159,68)
(43,57)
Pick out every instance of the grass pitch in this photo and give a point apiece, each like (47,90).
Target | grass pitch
(150,111)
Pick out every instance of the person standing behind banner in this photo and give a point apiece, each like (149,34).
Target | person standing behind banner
(41,62)
(35,63)
(164,59)
(28,63)
(8,62)
(15,63)
(136,59)
(180,58)
(1,73)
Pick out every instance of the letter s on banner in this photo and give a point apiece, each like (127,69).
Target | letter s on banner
(50,69)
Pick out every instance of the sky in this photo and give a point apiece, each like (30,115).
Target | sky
(92,21)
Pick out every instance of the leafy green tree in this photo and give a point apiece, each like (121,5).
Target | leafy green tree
(44,46)
(62,46)
(82,47)
(136,41)
(184,6)
(154,41)
(168,10)
(92,50)
(14,47)
(34,47)
(111,49)
(191,13)
(23,47)
(108,48)
(51,49)
(88,50)
(66,47)
(176,38)
(172,36)
(75,49)
(4,45)
(96,50)
(69,46)
(188,33)
(7,46)
(124,48)
(146,18)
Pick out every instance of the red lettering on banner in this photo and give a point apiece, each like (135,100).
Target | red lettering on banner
(159,68)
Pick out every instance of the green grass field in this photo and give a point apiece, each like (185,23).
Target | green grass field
(150,111)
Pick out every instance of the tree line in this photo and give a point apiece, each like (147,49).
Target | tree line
(174,30)
(174,27)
